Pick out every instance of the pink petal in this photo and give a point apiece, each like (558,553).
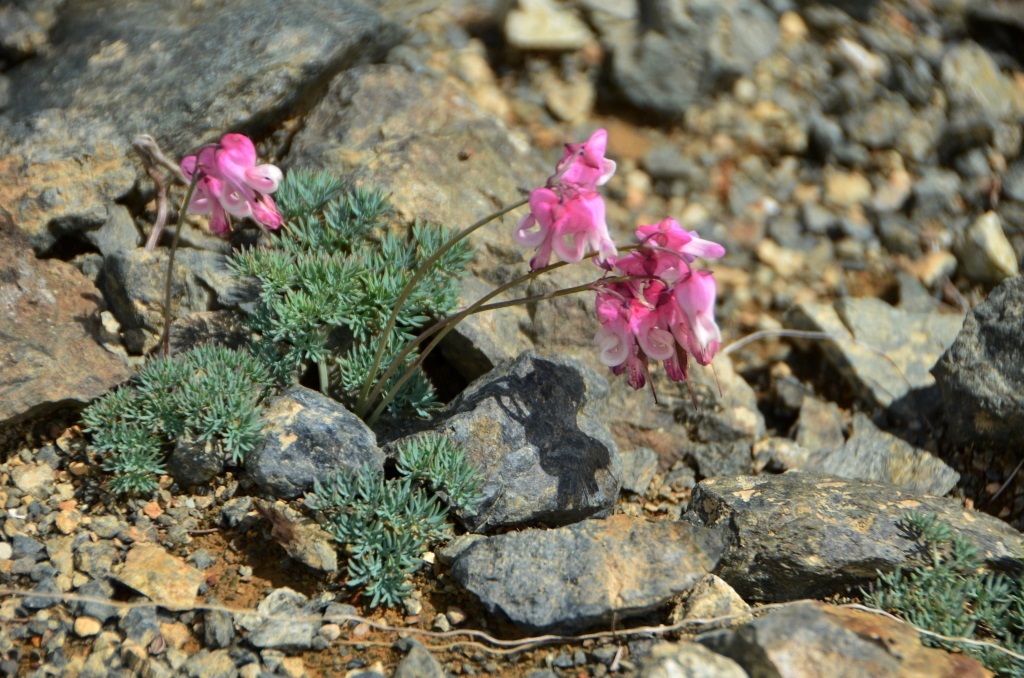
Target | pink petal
(264,178)
(264,210)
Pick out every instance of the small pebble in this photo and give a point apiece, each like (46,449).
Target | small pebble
(442,624)
(330,631)
(87,626)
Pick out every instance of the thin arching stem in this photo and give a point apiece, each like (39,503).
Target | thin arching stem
(441,328)
(166,340)
(364,400)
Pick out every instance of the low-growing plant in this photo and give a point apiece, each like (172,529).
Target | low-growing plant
(209,394)
(329,284)
(949,591)
(385,526)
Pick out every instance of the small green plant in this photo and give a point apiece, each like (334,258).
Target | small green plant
(209,394)
(385,526)
(436,461)
(328,286)
(949,592)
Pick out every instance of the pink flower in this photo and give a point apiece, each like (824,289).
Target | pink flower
(584,165)
(565,224)
(567,216)
(695,326)
(665,311)
(231,184)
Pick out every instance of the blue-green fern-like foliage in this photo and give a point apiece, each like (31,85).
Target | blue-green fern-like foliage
(949,592)
(330,281)
(209,394)
(385,526)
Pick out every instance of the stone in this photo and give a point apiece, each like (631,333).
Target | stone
(193,463)
(66,161)
(87,626)
(972,80)
(206,664)
(301,537)
(816,639)
(688,660)
(34,479)
(306,436)
(96,559)
(133,283)
(667,57)
(711,598)
(218,628)
(543,25)
(288,623)
(985,253)
(418,662)
(163,578)
(880,125)
(846,189)
(819,427)
(567,579)
(798,535)
(533,427)
(50,357)
(981,376)
(95,591)
(638,469)
(863,327)
(871,454)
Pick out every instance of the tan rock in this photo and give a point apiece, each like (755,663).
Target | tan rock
(87,626)
(164,578)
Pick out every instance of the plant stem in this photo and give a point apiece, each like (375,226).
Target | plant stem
(364,400)
(166,339)
(445,325)
(321,368)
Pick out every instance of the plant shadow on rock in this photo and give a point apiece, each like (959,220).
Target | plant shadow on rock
(565,452)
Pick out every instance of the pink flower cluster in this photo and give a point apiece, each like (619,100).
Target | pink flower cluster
(567,214)
(660,307)
(665,310)
(231,184)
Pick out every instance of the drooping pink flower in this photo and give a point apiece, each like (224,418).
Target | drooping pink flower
(566,224)
(231,184)
(567,216)
(695,326)
(665,311)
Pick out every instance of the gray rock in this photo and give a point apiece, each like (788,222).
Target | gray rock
(866,326)
(234,511)
(638,469)
(688,660)
(95,65)
(815,639)
(194,463)
(797,535)
(981,376)
(133,286)
(23,546)
(99,589)
(218,628)
(711,598)
(289,623)
(567,579)
(50,358)
(307,436)
(871,454)
(96,559)
(880,125)
(676,52)
(24,28)
(140,624)
(117,233)
(418,662)
(206,664)
(972,80)
(820,426)
(935,191)
(533,427)
(1013,182)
